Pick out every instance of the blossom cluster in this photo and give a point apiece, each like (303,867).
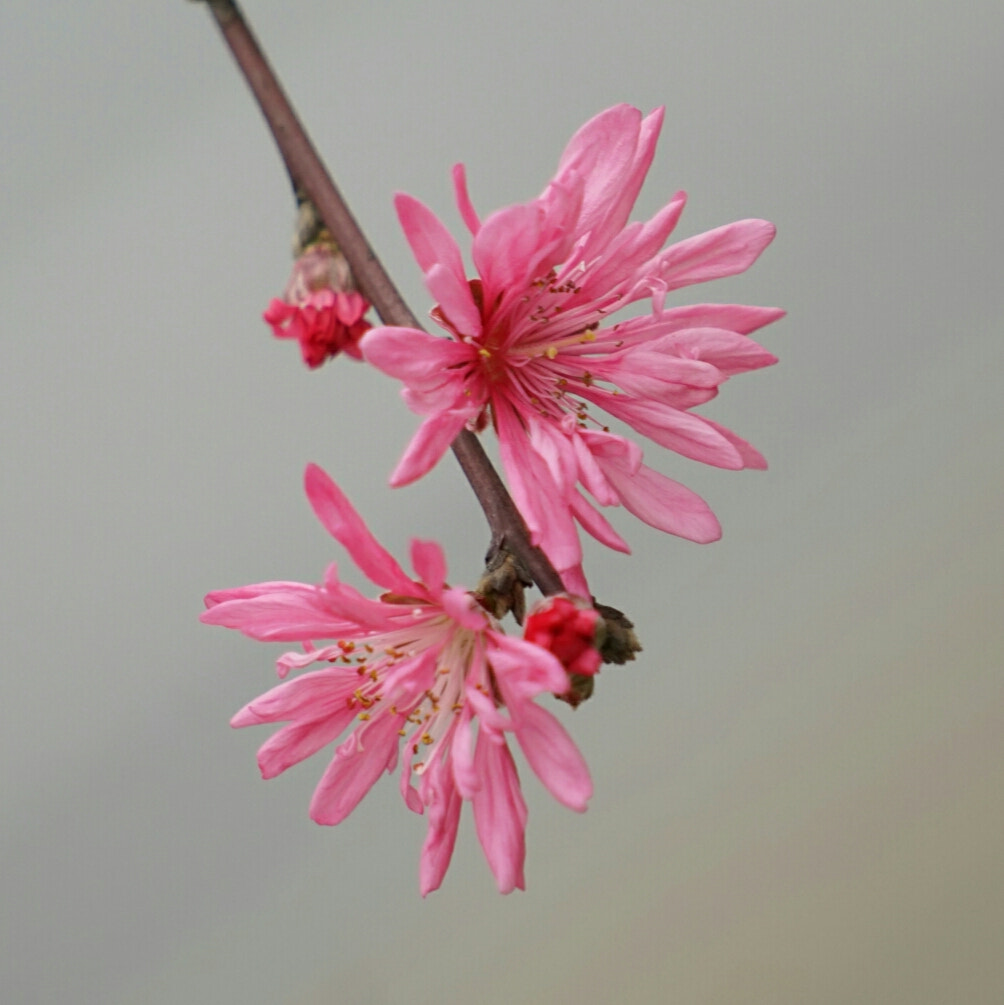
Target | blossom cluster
(423,677)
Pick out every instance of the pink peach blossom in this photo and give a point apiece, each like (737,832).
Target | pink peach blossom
(531,349)
(424,664)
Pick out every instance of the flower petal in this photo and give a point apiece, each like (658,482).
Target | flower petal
(684,432)
(553,756)
(444,801)
(357,764)
(500,814)
(429,563)
(537,496)
(664,504)
(612,152)
(752,458)
(455,300)
(596,525)
(714,254)
(295,743)
(287,616)
(524,670)
(430,442)
(348,528)
(425,363)
(431,243)
(464,204)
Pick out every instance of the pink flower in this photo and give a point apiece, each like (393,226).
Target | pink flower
(424,665)
(531,350)
(320,309)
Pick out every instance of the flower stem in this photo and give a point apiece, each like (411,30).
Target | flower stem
(308,171)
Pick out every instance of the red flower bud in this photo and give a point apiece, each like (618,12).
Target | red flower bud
(320,308)
(568,630)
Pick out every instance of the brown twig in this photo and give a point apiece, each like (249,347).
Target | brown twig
(308,171)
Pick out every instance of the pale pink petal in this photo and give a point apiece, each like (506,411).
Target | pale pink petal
(464,204)
(574,581)
(215,597)
(715,254)
(426,363)
(556,449)
(596,524)
(357,764)
(463,609)
(589,474)
(352,614)
(605,154)
(430,442)
(609,445)
(407,680)
(311,696)
(347,527)
(666,361)
(664,504)
(661,377)
(524,670)
(500,814)
(455,301)
(297,661)
(429,563)
(730,352)
(276,617)
(684,432)
(622,197)
(536,495)
(295,743)
(512,246)
(444,802)
(553,756)
(633,247)
(431,243)
(740,318)
(465,772)
(752,458)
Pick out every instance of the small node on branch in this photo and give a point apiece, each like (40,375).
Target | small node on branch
(501,587)
(309,227)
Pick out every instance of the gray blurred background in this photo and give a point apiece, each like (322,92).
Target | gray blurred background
(799,784)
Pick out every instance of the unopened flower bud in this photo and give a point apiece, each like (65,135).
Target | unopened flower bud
(566,628)
(320,307)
